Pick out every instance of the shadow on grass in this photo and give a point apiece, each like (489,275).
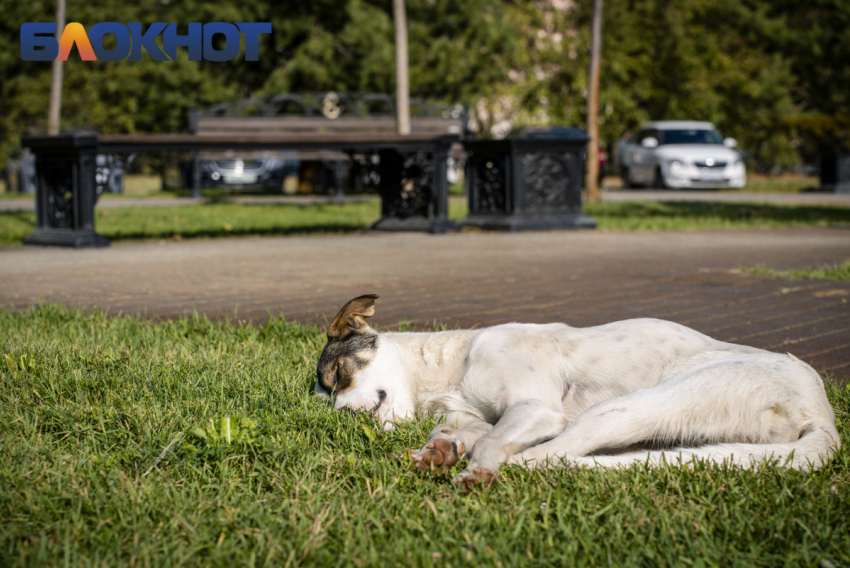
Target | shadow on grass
(740,212)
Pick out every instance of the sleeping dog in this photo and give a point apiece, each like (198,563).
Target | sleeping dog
(641,390)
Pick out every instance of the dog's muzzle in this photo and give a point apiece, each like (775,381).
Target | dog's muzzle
(382,396)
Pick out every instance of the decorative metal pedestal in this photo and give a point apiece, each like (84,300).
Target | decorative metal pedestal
(414,190)
(835,172)
(526,184)
(65,191)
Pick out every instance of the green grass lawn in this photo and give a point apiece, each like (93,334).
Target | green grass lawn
(232,219)
(687,216)
(837,271)
(761,183)
(783,183)
(211,220)
(260,472)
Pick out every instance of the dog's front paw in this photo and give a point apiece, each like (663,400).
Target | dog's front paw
(439,453)
(468,479)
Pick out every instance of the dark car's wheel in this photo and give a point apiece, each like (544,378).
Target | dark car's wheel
(627,179)
(658,181)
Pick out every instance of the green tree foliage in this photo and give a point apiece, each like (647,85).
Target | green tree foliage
(661,60)
(813,39)
(770,73)
(687,61)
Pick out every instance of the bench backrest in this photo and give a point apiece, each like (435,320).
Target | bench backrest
(233,125)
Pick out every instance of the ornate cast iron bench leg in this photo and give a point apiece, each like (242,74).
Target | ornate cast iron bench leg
(65,191)
(414,190)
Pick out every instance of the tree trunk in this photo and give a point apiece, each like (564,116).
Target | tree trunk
(592,180)
(402,88)
(54,111)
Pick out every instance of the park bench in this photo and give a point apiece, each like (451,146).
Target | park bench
(413,186)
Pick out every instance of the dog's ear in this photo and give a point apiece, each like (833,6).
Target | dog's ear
(352,317)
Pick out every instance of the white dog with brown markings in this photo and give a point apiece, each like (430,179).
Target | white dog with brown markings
(641,390)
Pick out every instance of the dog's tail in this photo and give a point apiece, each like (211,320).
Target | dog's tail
(812,450)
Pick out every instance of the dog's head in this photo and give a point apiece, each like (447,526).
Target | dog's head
(355,371)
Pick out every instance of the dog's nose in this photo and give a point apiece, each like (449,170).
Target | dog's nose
(382,395)
(347,409)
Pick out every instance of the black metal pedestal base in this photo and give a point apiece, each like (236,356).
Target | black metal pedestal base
(519,184)
(520,222)
(66,238)
(420,224)
(835,172)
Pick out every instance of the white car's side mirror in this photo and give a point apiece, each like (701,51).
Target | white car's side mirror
(730,142)
(649,142)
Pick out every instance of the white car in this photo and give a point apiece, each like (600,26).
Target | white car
(680,154)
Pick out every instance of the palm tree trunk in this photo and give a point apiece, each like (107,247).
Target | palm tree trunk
(55,108)
(592,180)
(402,87)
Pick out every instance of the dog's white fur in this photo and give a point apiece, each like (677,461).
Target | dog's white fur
(539,395)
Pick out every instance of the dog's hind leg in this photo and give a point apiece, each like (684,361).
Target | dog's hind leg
(742,409)
(524,424)
(448,442)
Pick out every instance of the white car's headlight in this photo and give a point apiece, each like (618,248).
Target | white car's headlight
(676,167)
(737,166)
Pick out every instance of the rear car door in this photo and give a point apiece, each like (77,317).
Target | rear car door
(642,158)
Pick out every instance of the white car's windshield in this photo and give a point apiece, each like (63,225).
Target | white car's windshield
(690,136)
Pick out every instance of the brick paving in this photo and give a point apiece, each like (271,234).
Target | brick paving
(581,278)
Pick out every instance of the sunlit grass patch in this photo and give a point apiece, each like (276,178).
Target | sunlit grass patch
(836,271)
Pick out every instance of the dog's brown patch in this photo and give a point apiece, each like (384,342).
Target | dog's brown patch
(351,346)
(352,317)
(439,453)
(342,360)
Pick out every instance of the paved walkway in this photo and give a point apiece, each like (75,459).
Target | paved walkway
(466,279)
(110,202)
